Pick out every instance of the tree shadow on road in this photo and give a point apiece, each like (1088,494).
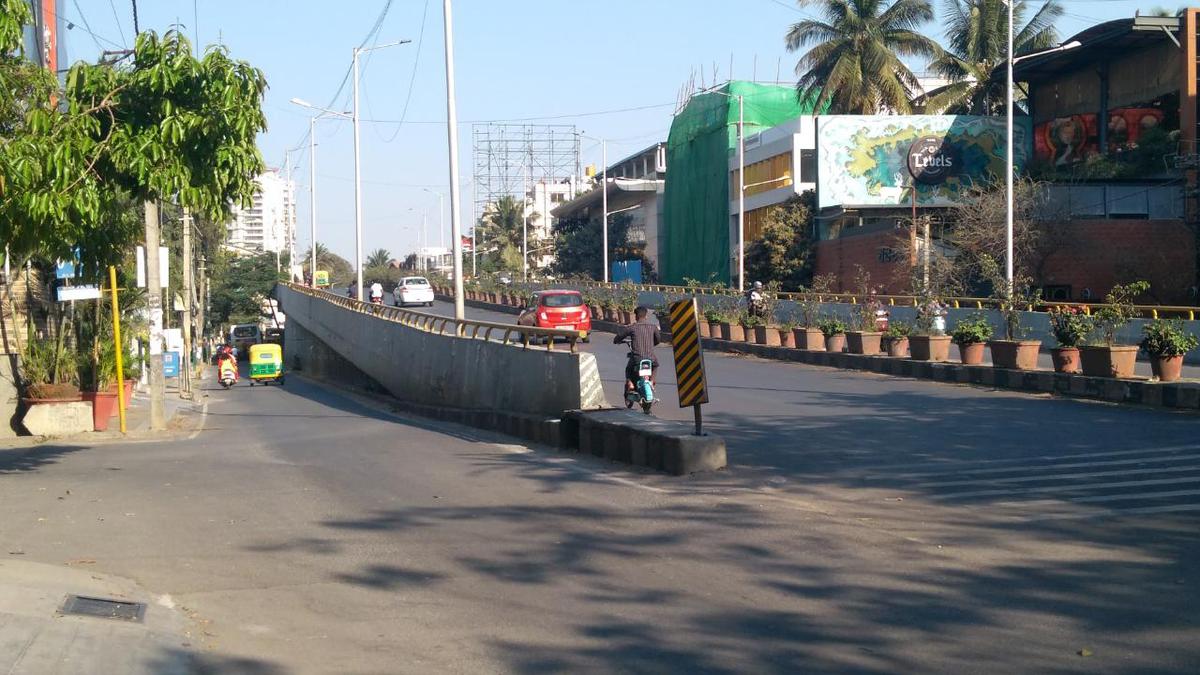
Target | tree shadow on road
(21,460)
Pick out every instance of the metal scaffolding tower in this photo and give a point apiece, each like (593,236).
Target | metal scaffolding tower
(508,158)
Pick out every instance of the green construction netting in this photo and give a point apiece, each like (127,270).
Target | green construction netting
(694,239)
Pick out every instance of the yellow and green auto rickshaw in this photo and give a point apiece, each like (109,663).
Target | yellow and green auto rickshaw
(266,363)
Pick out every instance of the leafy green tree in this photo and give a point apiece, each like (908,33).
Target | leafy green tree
(853,65)
(784,251)
(977,35)
(239,285)
(501,230)
(577,247)
(341,272)
(378,258)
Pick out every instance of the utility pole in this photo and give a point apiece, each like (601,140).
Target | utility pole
(201,298)
(452,142)
(604,201)
(186,358)
(158,420)
(312,199)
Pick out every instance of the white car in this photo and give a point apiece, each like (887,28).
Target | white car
(413,291)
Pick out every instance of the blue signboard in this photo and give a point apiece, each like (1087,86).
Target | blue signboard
(627,270)
(170,364)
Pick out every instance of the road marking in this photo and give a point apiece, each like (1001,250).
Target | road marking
(1068,488)
(203,419)
(1075,465)
(1179,508)
(1020,460)
(1058,476)
(1100,499)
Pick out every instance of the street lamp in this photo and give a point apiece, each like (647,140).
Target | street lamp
(603,201)
(358,254)
(452,151)
(1008,148)
(312,178)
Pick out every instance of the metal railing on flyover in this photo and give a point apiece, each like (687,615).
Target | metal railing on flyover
(434,323)
(1146,311)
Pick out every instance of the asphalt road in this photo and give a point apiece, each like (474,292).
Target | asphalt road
(868,525)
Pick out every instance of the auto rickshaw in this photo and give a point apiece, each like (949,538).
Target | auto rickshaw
(266,363)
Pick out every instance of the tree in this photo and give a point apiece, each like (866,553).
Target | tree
(977,36)
(784,251)
(379,258)
(578,243)
(239,285)
(340,270)
(853,65)
(502,228)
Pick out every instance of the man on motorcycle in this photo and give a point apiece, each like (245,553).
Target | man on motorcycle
(376,292)
(643,335)
(756,300)
(226,359)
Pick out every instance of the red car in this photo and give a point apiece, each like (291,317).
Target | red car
(557,309)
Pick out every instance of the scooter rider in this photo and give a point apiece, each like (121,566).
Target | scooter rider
(225,355)
(643,336)
(376,292)
(755,297)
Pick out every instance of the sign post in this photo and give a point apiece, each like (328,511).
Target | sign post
(691,383)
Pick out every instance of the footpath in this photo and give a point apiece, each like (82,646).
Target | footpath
(36,635)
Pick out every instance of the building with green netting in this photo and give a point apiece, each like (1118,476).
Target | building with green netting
(695,235)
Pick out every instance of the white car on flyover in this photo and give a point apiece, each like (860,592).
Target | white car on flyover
(413,291)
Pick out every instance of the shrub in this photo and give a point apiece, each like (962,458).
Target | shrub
(1118,310)
(897,330)
(1069,325)
(831,326)
(1167,337)
(972,330)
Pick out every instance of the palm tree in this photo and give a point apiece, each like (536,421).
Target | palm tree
(854,63)
(501,229)
(379,258)
(977,35)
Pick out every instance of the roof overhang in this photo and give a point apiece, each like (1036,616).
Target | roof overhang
(1098,44)
(615,185)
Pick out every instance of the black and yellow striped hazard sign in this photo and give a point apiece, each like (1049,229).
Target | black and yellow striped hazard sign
(689,357)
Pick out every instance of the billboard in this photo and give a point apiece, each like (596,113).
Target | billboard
(866,160)
(1066,140)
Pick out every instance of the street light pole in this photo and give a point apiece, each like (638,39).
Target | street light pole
(1008,159)
(604,201)
(741,193)
(452,142)
(357,188)
(312,199)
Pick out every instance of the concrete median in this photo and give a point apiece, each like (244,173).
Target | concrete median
(642,440)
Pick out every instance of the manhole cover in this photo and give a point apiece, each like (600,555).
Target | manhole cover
(104,608)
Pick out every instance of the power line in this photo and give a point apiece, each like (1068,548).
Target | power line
(87,28)
(120,28)
(413,77)
(594,113)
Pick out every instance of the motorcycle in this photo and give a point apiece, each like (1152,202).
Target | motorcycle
(227,374)
(643,388)
(376,299)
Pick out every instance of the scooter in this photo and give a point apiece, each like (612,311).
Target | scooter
(643,388)
(376,299)
(227,374)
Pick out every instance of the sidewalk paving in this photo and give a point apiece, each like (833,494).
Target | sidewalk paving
(35,638)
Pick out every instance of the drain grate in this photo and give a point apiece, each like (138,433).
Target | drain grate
(104,608)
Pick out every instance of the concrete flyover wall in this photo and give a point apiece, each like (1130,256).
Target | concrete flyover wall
(429,368)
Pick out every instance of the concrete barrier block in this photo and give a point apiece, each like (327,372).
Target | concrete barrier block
(58,419)
(1115,390)
(1189,397)
(633,438)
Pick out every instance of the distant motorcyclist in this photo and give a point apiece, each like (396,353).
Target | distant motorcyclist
(756,301)
(377,292)
(643,335)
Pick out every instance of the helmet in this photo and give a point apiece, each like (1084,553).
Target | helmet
(758,285)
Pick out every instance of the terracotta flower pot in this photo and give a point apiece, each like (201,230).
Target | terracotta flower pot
(748,334)
(1103,361)
(714,330)
(785,337)
(929,347)
(766,335)
(129,390)
(835,343)
(705,329)
(1167,368)
(1065,359)
(735,332)
(1015,354)
(625,316)
(897,347)
(104,406)
(971,354)
(724,331)
(863,342)
(809,339)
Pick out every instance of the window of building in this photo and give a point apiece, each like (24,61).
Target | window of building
(808,166)
(766,175)
(556,197)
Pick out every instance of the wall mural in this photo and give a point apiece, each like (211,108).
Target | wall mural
(1067,140)
(863,160)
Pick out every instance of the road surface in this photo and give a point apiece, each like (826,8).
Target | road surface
(867,524)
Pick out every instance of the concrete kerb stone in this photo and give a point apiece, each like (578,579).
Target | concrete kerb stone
(641,440)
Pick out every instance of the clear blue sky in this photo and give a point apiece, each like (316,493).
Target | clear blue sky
(514,59)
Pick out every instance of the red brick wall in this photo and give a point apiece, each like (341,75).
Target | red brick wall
(1096,254)
(1093,254)
(880,253)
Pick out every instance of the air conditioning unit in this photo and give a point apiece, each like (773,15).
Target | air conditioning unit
(1058,293)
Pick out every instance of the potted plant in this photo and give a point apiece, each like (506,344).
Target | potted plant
(834,331)
(1070,327)
(895,338)
(48,372)
(1011,298)
(785,329)
(928,341)
(1106,358)
(808,335)
(712,319)
(765,334)
(970,334)
(864,338)
(749,322)
(98,370)
(1165,341)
